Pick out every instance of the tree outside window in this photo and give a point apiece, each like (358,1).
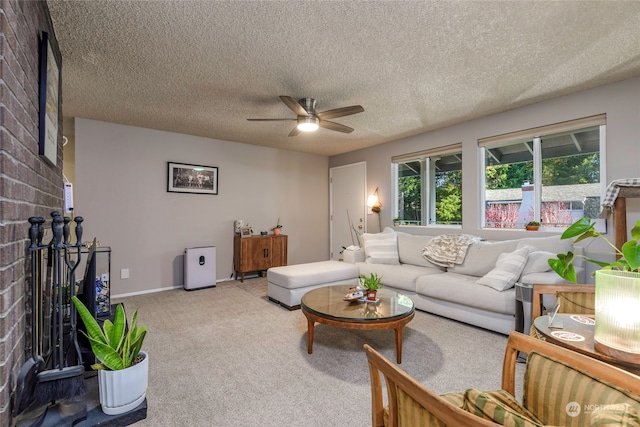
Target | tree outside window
(566,166)
(429,189)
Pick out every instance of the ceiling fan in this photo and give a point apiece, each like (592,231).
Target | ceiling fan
(309,120)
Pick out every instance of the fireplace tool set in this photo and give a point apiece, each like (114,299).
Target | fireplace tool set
(53,374)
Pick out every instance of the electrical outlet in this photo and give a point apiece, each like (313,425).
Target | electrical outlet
(124,273)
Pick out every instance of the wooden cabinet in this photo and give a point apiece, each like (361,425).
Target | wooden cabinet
(258,253)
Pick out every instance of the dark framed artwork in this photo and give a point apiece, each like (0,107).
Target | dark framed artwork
(186,178)
(49,102)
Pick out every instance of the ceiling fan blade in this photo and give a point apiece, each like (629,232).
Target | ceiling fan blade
(294,106)
(340,112)
(295,131)
(335,126)
(271,120)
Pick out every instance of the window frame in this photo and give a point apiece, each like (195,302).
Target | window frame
(536,135)
(427,176)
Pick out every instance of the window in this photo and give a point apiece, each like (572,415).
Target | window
(550,174)
(429,186)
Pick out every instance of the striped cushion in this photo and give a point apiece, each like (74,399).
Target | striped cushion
(576,302)
(381,248)
(500,407)
(411,414)
(561,395)
(615,416)
(507,270)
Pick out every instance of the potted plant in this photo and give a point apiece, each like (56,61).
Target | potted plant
(396,222)
(583,229)
(123,368)
(276,229)
(617,296)
(532,226)
(371,285)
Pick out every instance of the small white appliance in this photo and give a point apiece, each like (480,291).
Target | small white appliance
(199,268)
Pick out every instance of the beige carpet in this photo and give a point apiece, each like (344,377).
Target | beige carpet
(226,356)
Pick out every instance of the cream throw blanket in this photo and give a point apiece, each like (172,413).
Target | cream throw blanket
(447,250)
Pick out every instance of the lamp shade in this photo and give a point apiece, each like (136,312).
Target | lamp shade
(308,124)
(373,202)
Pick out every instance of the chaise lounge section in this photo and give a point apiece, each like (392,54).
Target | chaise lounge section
(286,285)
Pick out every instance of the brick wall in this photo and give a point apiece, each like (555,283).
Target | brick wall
(28,185)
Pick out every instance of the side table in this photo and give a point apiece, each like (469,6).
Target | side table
(524,295)
(577,334)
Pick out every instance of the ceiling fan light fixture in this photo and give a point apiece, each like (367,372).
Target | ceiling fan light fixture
(308,124)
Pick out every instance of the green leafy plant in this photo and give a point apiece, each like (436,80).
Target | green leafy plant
(116,346)
(371,283)
(583,229)
(533,224)
(278,225)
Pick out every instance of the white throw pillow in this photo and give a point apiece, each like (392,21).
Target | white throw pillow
(537,262)
(507,270)
(381,248)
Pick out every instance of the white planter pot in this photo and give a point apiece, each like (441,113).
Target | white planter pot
(121,391)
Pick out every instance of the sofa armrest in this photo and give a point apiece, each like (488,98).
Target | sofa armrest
(353,256)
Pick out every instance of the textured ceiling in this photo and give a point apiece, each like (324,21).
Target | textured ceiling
(204,67)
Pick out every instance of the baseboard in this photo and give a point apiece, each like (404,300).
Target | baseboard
(153,291)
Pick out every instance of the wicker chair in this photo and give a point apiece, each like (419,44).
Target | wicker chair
(554,383)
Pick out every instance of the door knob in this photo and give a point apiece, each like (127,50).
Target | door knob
(360,226)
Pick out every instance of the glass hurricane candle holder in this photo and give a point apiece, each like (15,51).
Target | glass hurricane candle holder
(617,331)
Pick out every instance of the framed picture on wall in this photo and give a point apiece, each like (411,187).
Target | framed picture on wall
(49,96)
(186,178)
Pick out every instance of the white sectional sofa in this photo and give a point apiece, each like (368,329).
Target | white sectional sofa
(479,291)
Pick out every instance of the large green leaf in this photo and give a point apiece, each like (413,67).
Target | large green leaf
(107,355)
(116,335)
(579,227)
(635,231)
(107,327)
(564,267)
(631,252)
(93,329)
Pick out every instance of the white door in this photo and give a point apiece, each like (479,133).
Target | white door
(348,206)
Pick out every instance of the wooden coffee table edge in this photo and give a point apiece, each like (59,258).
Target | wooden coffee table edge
(396,323)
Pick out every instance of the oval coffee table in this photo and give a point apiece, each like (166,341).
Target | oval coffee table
(326,305)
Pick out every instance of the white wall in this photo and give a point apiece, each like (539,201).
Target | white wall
(121,191)
(620,101)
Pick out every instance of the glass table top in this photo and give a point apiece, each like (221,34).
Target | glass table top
(328,301)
